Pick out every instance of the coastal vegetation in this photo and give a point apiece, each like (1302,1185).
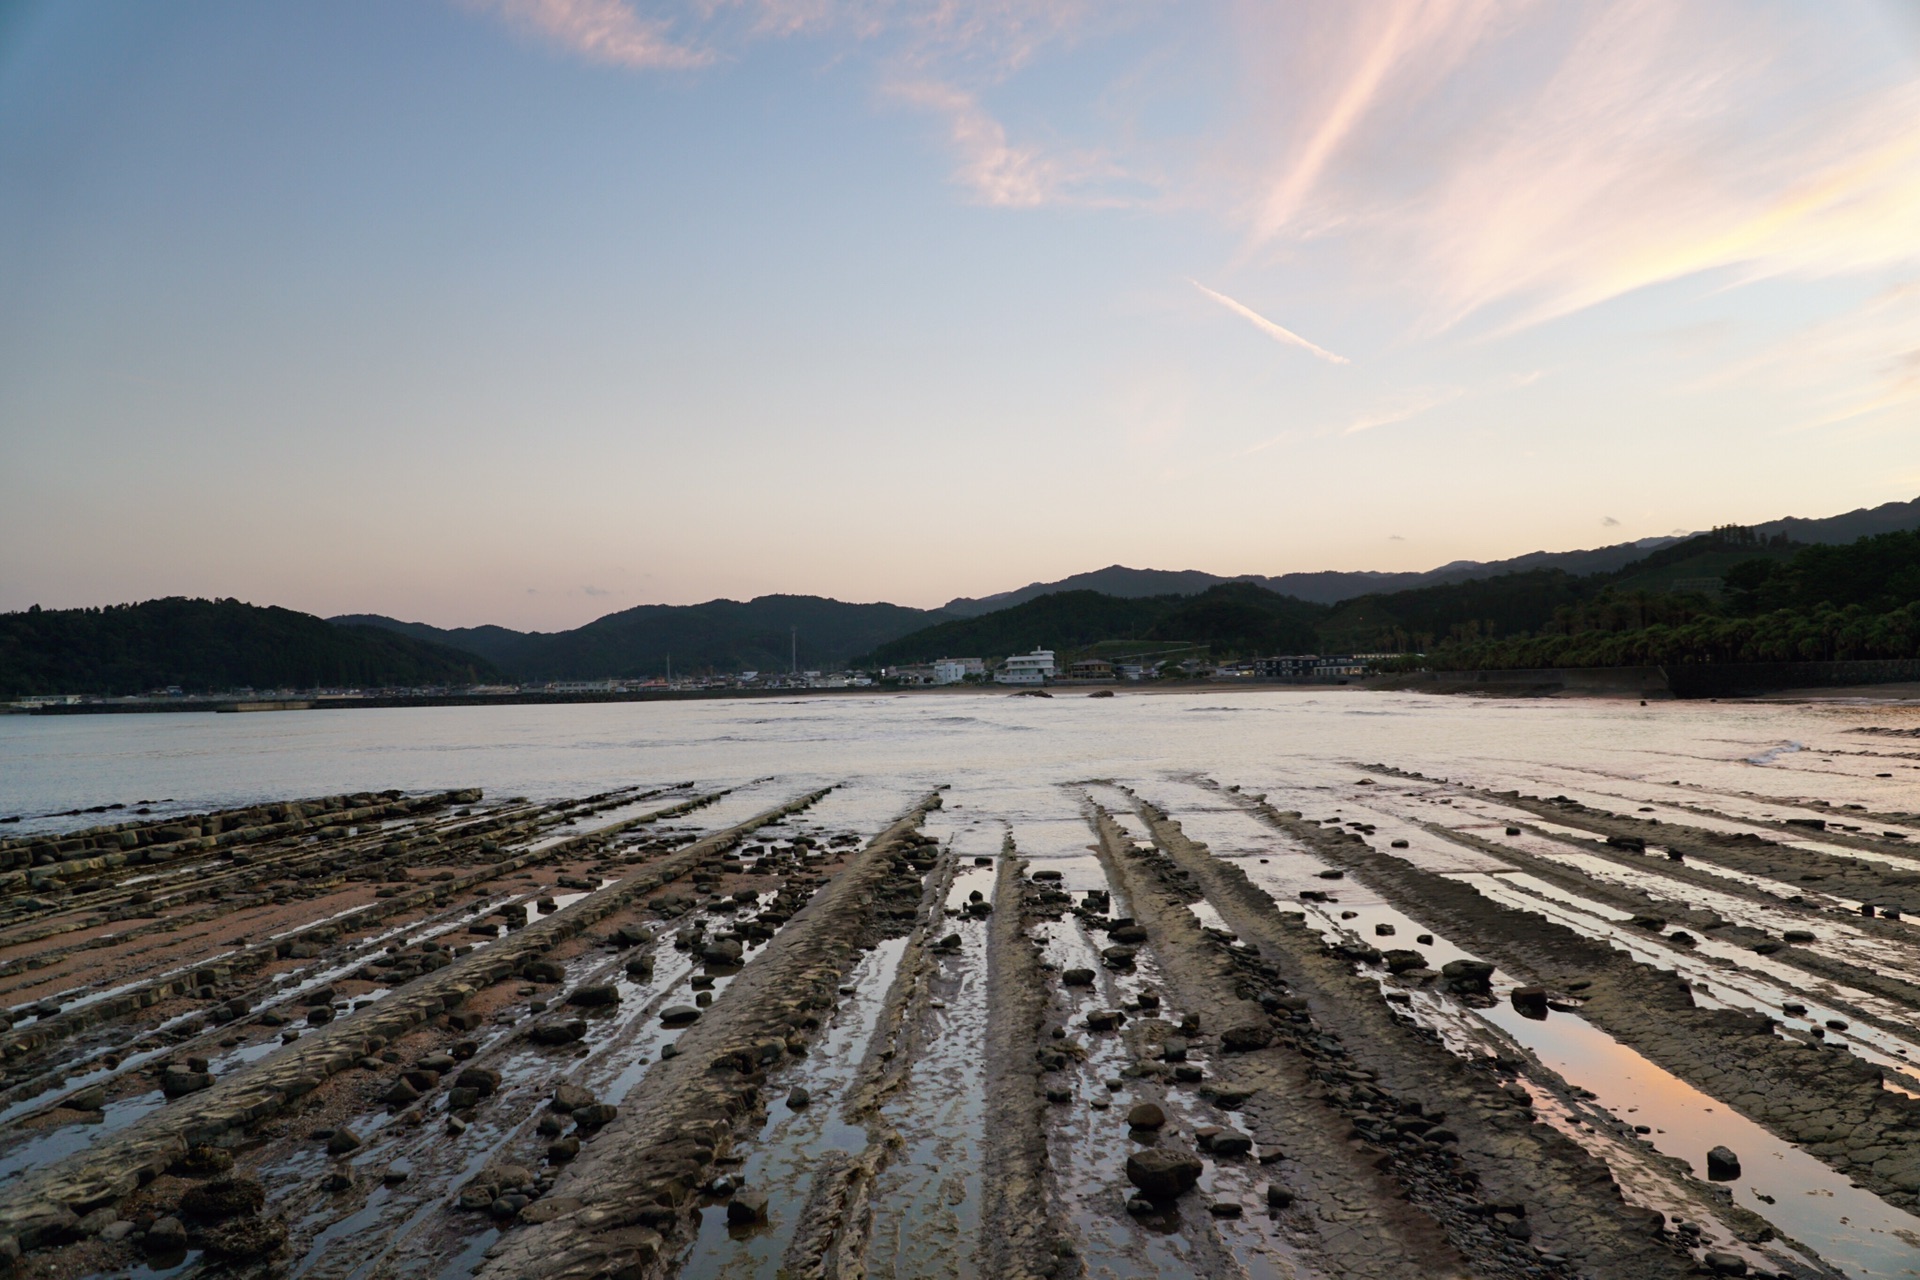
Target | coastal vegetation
(1811,604)
(206,645)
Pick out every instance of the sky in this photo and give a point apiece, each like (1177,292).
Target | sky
(526,311)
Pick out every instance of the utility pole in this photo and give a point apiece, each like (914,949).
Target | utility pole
(793,661)
(669,671)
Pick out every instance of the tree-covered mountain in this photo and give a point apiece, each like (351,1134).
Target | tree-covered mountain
(1805,604)
(722,635)
(212,646)
(1234,617)
(1333,587)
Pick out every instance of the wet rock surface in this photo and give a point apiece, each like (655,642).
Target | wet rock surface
(466,1038)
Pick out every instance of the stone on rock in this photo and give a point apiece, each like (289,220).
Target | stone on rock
(542,971)
(1227,1142)
(1076,977)
(678,1015)
(1722,1164)
(92,1098)
(723,953)
(1117,957)
(1105,1019)
(168,1235)
(558,1032)
(1278,1197)
(178,1082)
(595,1116)
(1725,1264)
(342,1141)
(594,995)
(1163,1174)
(246,1239)
(1531,1002)
(798,1099)
(562,1150)
(1146,1115)
(224,1198)
(401,1094)
(483,1080)
(1467,975)
(1246,1037)
(202,1162)
(568,1097)
(747,1208)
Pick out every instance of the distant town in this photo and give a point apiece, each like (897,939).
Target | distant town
(1037,669)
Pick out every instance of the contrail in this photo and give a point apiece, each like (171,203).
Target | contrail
(1267,326)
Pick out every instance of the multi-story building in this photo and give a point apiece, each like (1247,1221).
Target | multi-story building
(1027,668)
(956,670)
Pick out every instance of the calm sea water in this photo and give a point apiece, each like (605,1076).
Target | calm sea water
(980,743)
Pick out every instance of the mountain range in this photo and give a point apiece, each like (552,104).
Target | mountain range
(763,633)
(1331,587)
(219,644)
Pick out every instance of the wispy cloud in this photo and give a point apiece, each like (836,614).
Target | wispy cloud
(1608,522)
(1403,407)
(1277,332)
(994,169)
(1526,162)
(606,31)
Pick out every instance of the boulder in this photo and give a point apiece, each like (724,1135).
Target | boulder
(1467,975)
(223,1198)
(1146,1115)
(246,1239)
(568,1097)
(341,1141)
(798,1099)
(596,995)
(1226,1142)
(1722,1165)
(723,953)
(168,1235)
(1246,1037)
(1117,957)
(178,1082)
(1076,977)
(202,1162)
(1401,959)
(1163,1174)
(678,1015)
(747,1208)
(558,1032)
(483,1080)
(1531,1002)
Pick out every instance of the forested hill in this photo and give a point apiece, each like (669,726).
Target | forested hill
(1806,604)
(1231,617)
(761,634)
(212,646)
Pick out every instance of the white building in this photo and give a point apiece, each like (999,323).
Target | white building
(954,670)
(1027,668)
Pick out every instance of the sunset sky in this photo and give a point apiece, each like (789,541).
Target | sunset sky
(525,311)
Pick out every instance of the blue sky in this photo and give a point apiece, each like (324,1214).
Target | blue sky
(522,311)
